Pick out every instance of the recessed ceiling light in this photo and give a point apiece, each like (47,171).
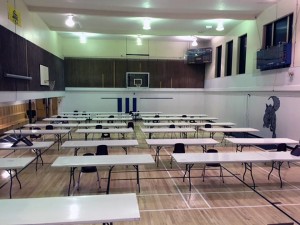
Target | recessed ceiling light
(220,26)
(208,26)
(146,24)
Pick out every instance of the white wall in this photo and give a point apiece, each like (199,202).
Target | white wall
(151,100)
(242,98)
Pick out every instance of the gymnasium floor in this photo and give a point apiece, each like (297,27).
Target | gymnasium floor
(164,198)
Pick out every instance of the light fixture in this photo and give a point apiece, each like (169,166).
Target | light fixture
(220,26)
(82,38)
(139,40)
(146,23)
(194,43)
(208,26)
(69,21)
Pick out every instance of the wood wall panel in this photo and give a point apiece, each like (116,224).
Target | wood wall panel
(112,73)
(21,57)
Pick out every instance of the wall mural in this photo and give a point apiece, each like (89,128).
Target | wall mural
(270,115)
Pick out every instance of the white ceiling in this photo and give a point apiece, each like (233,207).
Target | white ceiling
(170,19)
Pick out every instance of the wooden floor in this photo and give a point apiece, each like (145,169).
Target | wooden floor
(164,197)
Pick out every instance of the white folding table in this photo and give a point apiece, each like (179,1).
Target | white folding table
(78,120)
(114,119)
(12,164)
(115,125)
(147,119)
(118,131)
(91,209)
(183,131)
(189,159)
(37,146)
(110,143)
(214,130)
(159,143)
(56,132)
(242,142)
(103,160)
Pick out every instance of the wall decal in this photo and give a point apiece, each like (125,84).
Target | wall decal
(270,115)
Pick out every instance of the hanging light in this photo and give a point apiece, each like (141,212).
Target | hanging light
(194,43)
(69,21)
(139,40)
(220,26)
(146,25)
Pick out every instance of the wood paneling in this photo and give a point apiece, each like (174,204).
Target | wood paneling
(112,73)
(21,57)
(12,117)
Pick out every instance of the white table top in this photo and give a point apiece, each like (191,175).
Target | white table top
(110,130)
(112,119)
(15,163)
(55,125)
(179,118)
(83,112)
(103,160)
(92,209)
(280,156)
(167,130)
(260,141)
(187,124)
(24,131)
(219,157)
(102,124)
(186,141)
(231,129)
(234,157)
(65,119)
(72,116)
(187,114)
(110,143)
(36,145)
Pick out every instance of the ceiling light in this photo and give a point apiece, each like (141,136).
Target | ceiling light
(82,38)
(146,25)
(208,26)
(69,21)
(220,26)
(139,40)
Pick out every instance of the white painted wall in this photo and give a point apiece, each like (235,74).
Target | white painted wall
(227,97)
(162,100)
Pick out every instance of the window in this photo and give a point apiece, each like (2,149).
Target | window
(279,31)
(218,60)
(229,48)
(242,54)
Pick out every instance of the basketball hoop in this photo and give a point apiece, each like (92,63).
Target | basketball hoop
(138,85)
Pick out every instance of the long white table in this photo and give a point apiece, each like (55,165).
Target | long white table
(92,209)
(242,142)
(118,131)
(110,143)
(214,130)
(159,143)
(103,160)
(55,125)
(101,119)
(37,146)
(12,164)
(78,120)
(147,119)
(189,159)
(56,132)
(183,131)
(115,125)
(188,124)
